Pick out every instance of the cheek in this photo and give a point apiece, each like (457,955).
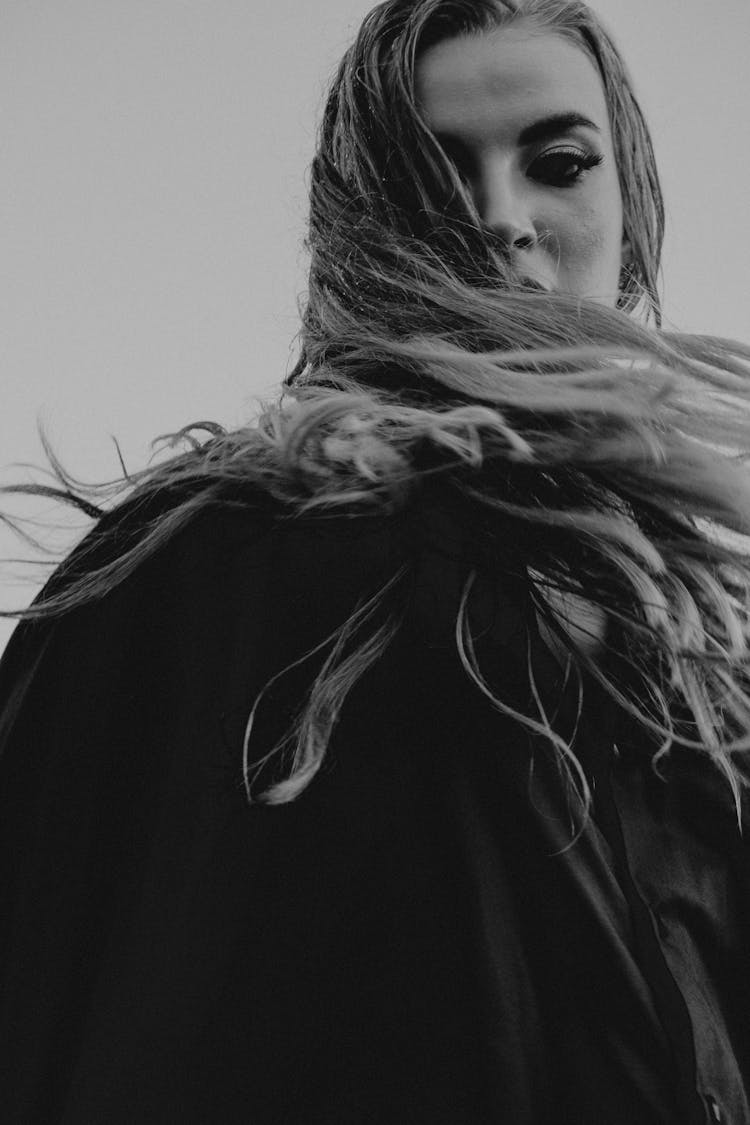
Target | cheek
(589,239)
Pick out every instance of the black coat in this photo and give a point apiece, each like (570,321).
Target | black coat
(409,941)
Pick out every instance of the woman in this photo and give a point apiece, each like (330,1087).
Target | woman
(385,761)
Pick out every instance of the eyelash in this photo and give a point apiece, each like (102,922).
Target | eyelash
(586,160)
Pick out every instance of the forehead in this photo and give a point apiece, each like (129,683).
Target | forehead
(501,80)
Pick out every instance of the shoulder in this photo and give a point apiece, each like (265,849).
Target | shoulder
(176,561)
(143,692)
(230,592)
(193,594)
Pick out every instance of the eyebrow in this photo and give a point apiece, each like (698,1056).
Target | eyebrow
(553,126)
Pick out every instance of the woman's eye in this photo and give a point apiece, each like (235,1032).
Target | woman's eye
(563,167)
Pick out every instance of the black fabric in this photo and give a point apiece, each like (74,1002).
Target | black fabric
(412,939)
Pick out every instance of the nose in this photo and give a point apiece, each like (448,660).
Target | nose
(504,207)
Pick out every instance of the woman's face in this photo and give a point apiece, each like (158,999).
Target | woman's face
(523,116)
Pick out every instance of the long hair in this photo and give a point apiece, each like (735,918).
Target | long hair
(375,144)
(592,431)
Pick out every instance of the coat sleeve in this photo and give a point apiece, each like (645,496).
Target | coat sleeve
(158,933)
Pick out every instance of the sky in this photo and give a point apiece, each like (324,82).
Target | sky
(153,196)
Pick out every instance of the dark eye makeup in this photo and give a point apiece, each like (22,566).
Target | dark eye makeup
(558,167)
(564,167)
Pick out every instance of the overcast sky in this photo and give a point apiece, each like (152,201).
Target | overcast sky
(152,200)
